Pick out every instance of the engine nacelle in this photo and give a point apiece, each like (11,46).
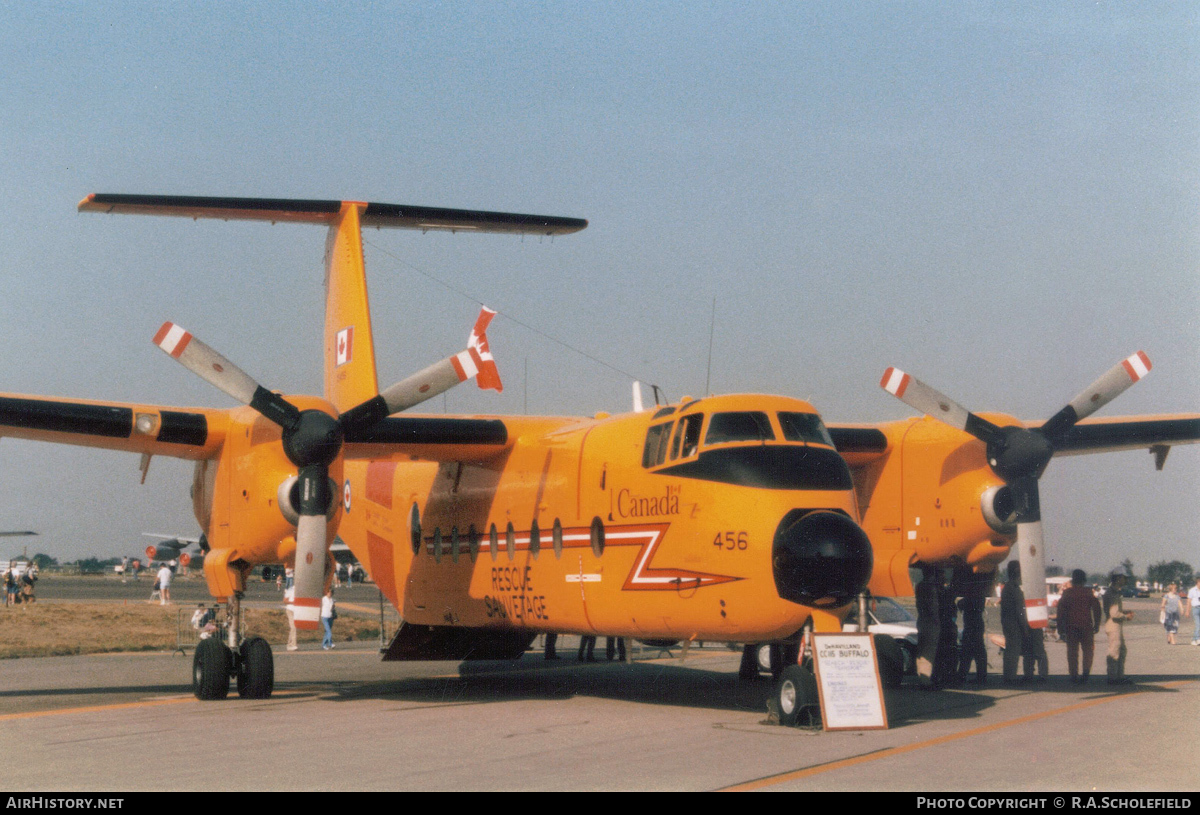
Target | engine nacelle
(288,498)
(243,499)
(999,509)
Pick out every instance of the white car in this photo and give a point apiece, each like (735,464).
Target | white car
(889,617)
(886,617)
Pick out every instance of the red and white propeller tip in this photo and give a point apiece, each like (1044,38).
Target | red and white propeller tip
(1112,384)
(206,363)
(487,375)
(916,394)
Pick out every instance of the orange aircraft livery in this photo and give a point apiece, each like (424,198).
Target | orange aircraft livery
(736,518)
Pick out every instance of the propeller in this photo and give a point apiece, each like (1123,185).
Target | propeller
(1019,455)
(312,439)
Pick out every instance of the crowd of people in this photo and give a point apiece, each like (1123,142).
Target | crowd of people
(1081,614)
(20,585)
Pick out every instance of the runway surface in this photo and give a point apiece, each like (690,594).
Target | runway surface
(342,720)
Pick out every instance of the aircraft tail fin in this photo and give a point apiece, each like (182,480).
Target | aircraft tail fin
(350,376)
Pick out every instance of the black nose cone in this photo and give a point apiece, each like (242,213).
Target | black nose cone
(820,559)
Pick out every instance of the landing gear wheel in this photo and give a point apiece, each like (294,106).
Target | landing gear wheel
(210,669)
(891,661)
(255,670)
(796,696)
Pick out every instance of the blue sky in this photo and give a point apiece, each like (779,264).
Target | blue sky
(1000,199)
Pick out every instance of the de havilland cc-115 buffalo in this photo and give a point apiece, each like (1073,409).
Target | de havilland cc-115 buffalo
(738,518)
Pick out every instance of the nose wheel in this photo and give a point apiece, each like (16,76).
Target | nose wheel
(796,699)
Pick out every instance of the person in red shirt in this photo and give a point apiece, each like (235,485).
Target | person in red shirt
(1079,618)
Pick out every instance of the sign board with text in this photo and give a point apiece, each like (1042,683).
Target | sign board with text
(847,671)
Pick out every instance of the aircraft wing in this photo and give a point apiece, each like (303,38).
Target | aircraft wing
(189,433)
(862,443)
(431,438)
(397,216)
(1129,433)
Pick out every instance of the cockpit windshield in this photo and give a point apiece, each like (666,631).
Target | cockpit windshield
(745,448)
(750,425)
(806,427)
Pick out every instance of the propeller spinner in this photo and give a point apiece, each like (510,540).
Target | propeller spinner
(1019,455)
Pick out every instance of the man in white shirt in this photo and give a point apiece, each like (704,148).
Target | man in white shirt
(164,584)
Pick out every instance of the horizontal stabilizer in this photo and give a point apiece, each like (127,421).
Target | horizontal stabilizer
(397,216)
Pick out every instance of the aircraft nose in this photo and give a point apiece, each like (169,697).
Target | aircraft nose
(820,558)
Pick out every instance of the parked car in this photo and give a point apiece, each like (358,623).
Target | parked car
(886,616)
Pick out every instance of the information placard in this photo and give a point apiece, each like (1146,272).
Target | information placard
(848,682)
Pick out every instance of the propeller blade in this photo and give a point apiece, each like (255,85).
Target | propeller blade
(916,394)
(488,377)
(1108,387)
(1030,551)
(476,361)
(310,546)
(215,369)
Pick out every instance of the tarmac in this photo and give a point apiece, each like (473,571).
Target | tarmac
(677,720)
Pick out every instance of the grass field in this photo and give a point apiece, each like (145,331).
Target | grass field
(57,629)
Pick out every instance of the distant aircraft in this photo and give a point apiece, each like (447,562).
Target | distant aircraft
(740,518)
(172,548)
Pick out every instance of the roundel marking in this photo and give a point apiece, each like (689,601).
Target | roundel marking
(346,495)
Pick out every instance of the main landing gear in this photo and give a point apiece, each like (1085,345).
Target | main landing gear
(219,659)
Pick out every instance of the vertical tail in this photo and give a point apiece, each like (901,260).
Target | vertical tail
(350,377)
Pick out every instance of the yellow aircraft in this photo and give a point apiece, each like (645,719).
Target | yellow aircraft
(739,518)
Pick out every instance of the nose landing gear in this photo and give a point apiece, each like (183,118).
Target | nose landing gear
(215,663)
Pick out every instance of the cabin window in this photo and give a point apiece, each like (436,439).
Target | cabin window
(556,536)
(687,436)
(535,539)
(806,427)
(657,439)
(414,529)
(597,536)
(750,425)
(454,544)
(493,542)
(510,540)
(473,542)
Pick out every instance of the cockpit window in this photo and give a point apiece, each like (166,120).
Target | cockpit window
(740,426)
(687,436)
(804,427)
(657,439)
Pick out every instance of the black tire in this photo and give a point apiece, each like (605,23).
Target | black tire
(796,696)
(891,661)
(256,670)
(210,670)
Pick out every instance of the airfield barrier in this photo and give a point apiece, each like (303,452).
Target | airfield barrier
(188,637)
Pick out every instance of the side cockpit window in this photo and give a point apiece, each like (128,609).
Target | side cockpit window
(687,436)
(750,425)
(806,427)
(657,439)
